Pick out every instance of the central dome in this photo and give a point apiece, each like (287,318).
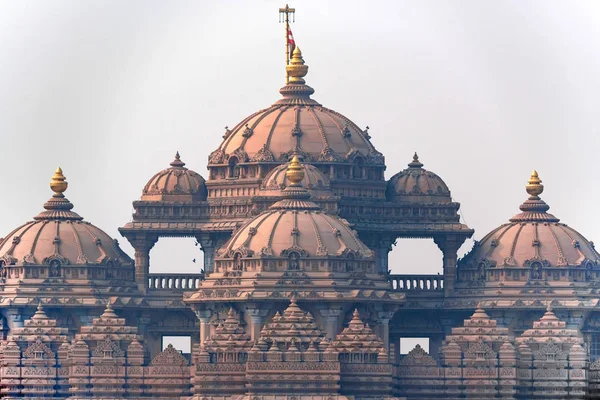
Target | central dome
(296,124)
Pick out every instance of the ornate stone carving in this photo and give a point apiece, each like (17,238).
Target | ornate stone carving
(108,349)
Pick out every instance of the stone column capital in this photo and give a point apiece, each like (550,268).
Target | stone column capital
(385,316)
(142,241)
(256,314)
(203,315)
(330,313)
(449,243)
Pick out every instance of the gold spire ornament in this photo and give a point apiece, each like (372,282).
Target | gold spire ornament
(294,172)
(296,69)
(534,186)
(58,184)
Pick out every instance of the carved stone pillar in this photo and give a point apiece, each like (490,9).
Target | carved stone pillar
(383,328)
(209,243)
(15,318)
(142,244)
(449,246)
(204,317)
(575,319)
(396,342)
(382,252)
(257,319)
(331,321)
(381,245)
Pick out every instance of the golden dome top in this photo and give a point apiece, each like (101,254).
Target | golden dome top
(534,186)
(534,208)
(296,69)
(295,172)
(58,184)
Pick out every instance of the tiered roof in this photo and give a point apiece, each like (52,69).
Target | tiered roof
(358,337)
(228,336)
(550,328)
(293,326)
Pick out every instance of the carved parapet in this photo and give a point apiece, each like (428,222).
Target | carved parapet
(218,379)
(417,376)
(168,375)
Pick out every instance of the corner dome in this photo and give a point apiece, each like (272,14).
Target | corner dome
(175,183)
(417,185)
(534,241)
(296,124)
(295,225)
(314,181)
(59,236)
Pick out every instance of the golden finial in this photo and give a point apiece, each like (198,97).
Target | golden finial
(295,172)
(296,69)
(58,184)
(534,185)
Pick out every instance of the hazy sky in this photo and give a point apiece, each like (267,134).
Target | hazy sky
(485,91)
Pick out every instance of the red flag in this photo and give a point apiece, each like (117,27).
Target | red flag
(291,42)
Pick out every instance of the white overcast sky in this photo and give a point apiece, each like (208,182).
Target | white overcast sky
(485,91)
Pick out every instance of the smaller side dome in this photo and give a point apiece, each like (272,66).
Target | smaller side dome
(533,246)
(314,181)
(295,226)
(59,237)
(176,183)
(417,185)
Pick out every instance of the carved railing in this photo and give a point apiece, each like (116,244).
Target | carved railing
(417,283)
(400,283)
(174,281)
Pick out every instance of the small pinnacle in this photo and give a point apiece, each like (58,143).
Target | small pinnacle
(177,163)
(415,162)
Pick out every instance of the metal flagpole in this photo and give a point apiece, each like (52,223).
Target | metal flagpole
(284,16)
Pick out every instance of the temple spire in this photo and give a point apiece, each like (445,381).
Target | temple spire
(415,162)
(177,163)
(534,208)
(58,207)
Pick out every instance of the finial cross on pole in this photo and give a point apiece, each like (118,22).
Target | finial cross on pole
(284,16)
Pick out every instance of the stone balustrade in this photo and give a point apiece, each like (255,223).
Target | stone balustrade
(417,283)
(174,281)
(400,282)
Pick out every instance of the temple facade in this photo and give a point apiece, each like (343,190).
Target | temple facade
(295,220)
